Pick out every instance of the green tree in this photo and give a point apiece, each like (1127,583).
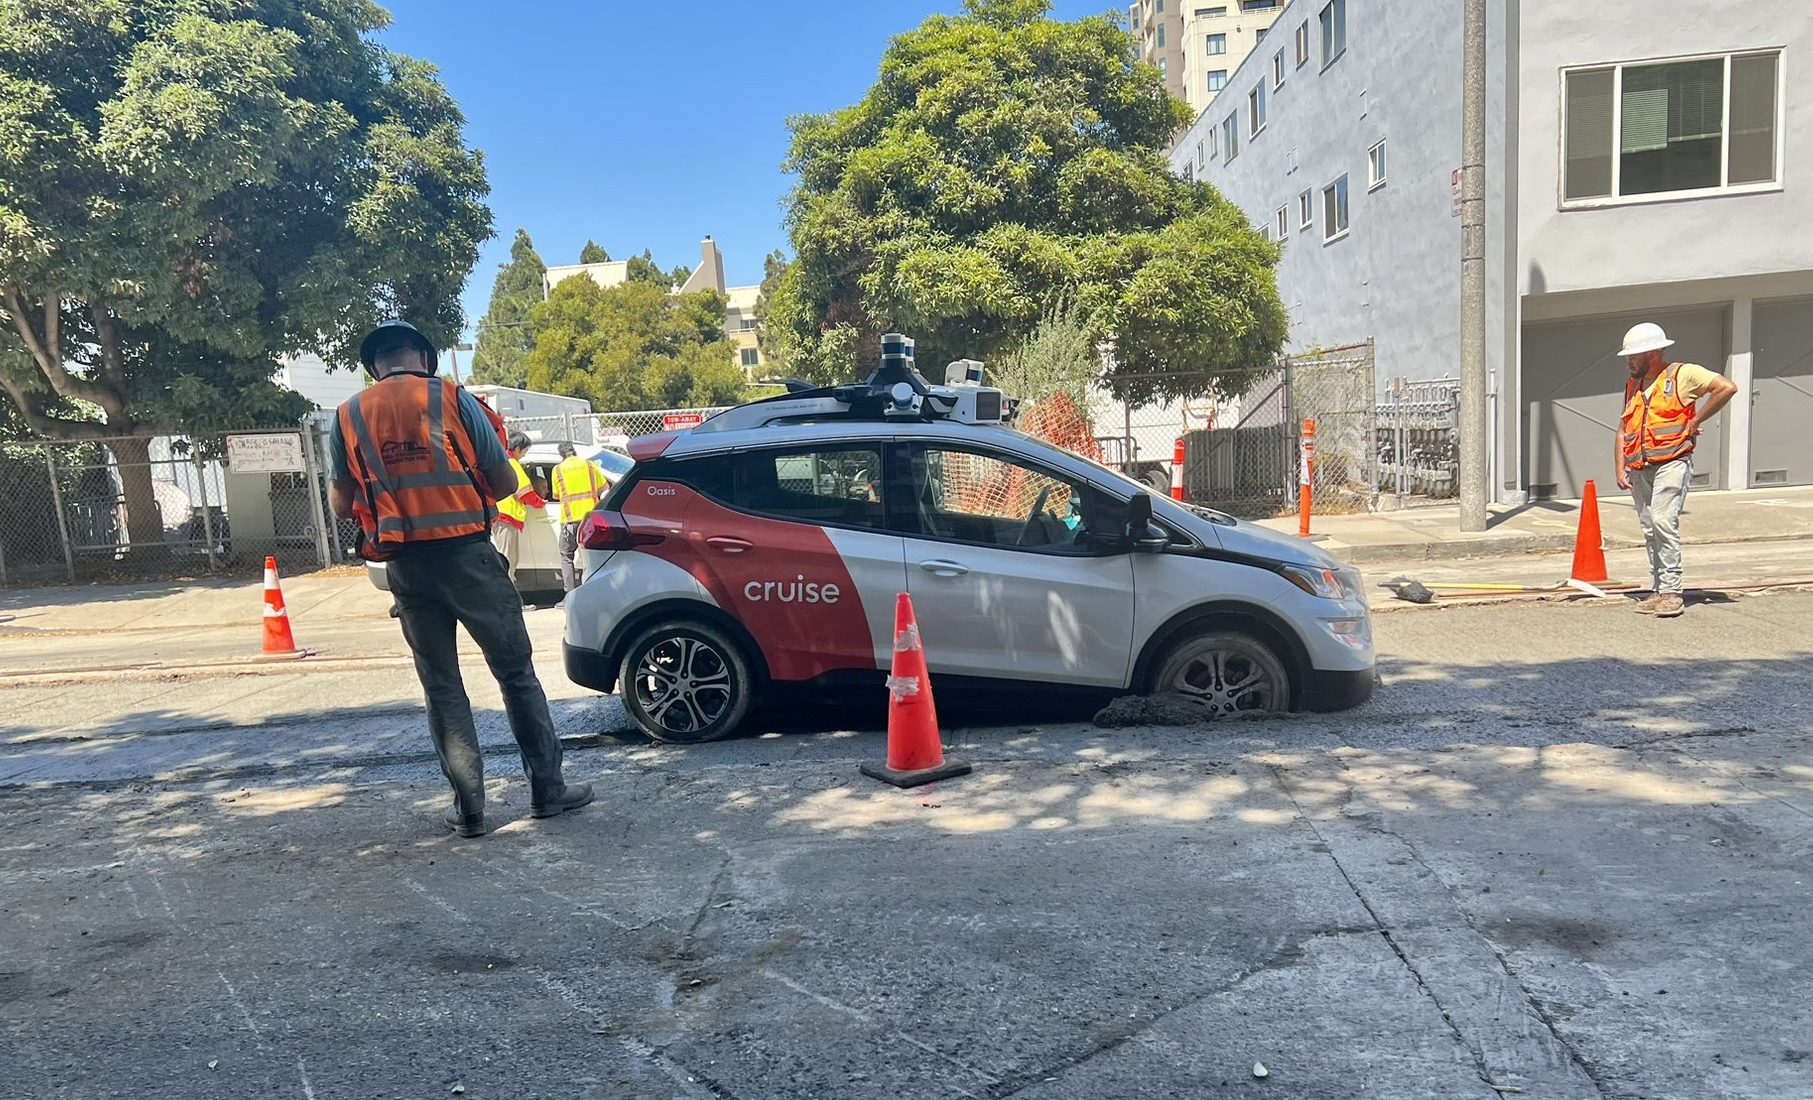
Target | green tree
(191,188)
(594,253)
(1003,161)
(774,265)
(644,269)
(503,332)
(633,346)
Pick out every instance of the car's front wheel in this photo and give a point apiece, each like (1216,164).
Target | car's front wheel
(1228,671)
(685,682)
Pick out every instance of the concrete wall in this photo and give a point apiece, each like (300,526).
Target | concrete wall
(1668,240)
(1395,276)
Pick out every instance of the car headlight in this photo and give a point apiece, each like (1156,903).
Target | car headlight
(1330,584)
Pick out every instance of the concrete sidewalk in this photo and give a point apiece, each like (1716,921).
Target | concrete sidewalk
(1433,533)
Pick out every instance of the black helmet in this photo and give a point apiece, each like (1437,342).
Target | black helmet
(391,335)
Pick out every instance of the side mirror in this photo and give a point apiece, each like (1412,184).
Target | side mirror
(1140,533)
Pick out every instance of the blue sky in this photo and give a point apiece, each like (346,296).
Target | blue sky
(648,125)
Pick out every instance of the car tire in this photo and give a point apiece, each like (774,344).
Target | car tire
(1158,479)
(685,682)
(1230,671)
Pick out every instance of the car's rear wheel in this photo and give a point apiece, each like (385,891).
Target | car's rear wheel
(685,682)
(1228,671)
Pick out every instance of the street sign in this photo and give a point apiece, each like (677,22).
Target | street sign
(265,454)
(675,421)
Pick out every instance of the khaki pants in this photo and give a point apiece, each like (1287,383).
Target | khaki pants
(1659,492)
(507,540)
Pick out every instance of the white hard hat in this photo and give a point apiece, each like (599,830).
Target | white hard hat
(1644,337)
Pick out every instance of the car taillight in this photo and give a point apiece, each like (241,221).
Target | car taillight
(604,530)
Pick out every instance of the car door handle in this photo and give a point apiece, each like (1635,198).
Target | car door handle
(944,568)
(730,545)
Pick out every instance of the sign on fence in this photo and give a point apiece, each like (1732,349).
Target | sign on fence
(265,454)
(676,421)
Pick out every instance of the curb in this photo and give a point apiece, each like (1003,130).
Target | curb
(1510,546)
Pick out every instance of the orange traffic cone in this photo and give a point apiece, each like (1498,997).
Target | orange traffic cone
(278,641)
(1589,549)
(915,752)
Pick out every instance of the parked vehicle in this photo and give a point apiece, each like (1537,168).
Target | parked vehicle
(767,546)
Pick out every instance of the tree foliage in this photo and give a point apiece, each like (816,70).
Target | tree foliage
(1001,162)
(633,346)
(190,188)
(594,253)
(774,265)
(503,332)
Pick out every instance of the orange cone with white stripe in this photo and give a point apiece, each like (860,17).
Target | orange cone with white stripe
(915,750)
(278,641)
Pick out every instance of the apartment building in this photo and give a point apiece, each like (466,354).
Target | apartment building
(1198,45)
(1640,166)
(739,314)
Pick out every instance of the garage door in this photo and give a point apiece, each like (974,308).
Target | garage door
(1573,389)
(1781,403)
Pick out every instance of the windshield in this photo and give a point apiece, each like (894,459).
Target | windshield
(615,463)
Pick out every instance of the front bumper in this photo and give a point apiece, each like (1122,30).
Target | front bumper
(589,668)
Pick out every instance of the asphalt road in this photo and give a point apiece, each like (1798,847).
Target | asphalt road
(1564,851)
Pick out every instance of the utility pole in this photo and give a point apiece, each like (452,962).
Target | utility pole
(1473,428)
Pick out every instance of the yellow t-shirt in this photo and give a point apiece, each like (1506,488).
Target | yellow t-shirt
(1691,381)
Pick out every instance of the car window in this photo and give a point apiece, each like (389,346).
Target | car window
(614,463)
(839,485)
(968,496)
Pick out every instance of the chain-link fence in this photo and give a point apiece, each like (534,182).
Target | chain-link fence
(164,506)
(1241,454)
(608,429)
(1419,439)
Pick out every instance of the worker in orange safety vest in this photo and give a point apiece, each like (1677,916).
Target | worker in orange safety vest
(418,463)
(1664,405)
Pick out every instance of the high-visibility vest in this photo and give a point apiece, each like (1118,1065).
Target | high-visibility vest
(511,508)
(413,465)
(1656,421)
(579,485)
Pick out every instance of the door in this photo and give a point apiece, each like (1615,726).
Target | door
(1781,395)
(1004,579)
(792,541)
(1573,389)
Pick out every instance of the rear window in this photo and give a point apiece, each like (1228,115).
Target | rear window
(614,463)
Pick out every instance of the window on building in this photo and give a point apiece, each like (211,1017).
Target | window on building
(1334,210)
(1230,137)
(1334,30)
(1214,148)
(1375,166)
(1199,154)
(1163,69)
(1654,129)
(1258,5)
(1210,13)
(1278,70)
(1136,19)
(752,357)
(747,323)
(1218,45)
(1255,110)
(1218,79)
(1284,222)
(1159,7)
(1302,43)
(1161,36)
(1306,210)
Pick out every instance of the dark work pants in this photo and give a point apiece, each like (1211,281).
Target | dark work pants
(569,550)
(465,583)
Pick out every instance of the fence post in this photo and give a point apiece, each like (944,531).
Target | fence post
(1306,477)
(2,560)
(207,513)
(56,500)
(1290,417)
(312,472)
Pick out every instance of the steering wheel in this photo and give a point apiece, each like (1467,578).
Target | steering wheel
(1032,519)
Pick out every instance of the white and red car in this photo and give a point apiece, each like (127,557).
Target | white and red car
(767,545)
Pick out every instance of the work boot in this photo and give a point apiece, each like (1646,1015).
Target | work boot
(466,825)
(571,797)
(1669,605)
(1648,606)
